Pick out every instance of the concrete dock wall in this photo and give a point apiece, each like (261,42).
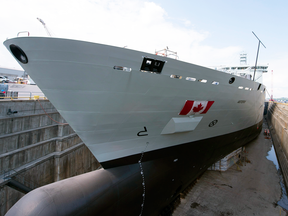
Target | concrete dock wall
(36,150)
(277,117)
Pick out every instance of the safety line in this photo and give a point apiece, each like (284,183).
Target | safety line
(49,116)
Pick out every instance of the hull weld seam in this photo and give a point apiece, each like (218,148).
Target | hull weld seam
(143,179)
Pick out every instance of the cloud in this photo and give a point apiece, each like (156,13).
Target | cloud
(139,25)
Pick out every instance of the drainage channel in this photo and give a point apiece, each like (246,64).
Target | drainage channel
(283,202)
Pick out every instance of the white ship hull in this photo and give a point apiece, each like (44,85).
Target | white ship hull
(137,124)
(107,107)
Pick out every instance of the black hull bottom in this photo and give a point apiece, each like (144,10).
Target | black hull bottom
(207,149)
(151,182)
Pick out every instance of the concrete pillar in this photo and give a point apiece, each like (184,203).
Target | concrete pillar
(56,168)
(60,130)
(59,144)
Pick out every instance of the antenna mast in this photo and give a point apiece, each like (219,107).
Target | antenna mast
(257,54)
(43,23)
(272,85)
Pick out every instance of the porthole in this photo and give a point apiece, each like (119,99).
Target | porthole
(122,68)
(19,54)
(202,80)
(190,79)
(176,76)
(215,83)
(231,80)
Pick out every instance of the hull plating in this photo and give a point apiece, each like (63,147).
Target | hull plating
(110,108)
(130,121)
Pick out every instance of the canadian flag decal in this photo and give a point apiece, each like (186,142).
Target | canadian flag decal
(196,107)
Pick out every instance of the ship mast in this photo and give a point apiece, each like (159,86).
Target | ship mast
(257,54)
(43,23)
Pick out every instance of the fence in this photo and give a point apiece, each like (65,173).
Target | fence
(23,95)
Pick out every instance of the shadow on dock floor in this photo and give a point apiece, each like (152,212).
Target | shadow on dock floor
(250,187)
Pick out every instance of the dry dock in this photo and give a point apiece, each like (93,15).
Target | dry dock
(250,187)
(35,149)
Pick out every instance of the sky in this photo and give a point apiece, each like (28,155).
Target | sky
(207,32)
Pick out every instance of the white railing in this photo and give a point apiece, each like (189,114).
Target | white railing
(24,95)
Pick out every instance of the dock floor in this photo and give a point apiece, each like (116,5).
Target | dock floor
(250,187)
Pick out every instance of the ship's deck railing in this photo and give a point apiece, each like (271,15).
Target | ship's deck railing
(35,97)
(23,32)
(167,53)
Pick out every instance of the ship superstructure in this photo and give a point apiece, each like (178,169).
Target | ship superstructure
(244,70)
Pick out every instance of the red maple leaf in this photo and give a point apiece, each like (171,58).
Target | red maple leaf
(198,108)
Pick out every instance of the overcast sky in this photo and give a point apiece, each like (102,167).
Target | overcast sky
(208,32)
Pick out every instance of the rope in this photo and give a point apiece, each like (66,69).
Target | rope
(49,116)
